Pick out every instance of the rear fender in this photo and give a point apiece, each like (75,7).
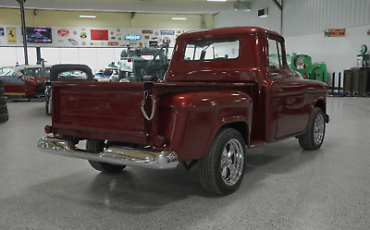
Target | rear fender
(190,120)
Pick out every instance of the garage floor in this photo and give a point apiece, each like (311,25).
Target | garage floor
(284,187)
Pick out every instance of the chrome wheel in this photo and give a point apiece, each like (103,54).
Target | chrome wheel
(319,129)
(232,161)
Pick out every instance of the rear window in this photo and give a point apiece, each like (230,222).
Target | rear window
(209,50)
(72,74)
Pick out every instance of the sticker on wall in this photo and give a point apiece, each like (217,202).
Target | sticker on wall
(102,43)
(113,43)
(63,32)
(12,36)
(154,38)
(94,43)
(140,44)
(73,42)
(118,30)
(1,31)
(335,33)
(133,44)
(75,32)
(179,31)
(83,43)
(83,29)
(119,39)
(111,32)
(368,32)
(132,37)
(122,45)
(83,35)
(167,32)
(147,31)
(156,32)
(60,40)
(166,40)
(147,37)
(153,43)
(99,34)
(113,38)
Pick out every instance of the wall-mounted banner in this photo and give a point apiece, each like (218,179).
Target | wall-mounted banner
(335,33)
(98,35)
(1,31)
(12,37)
(63,32)
(147,31)
(133,37)
(167,32)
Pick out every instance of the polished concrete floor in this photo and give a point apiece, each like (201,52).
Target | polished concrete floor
(284,187)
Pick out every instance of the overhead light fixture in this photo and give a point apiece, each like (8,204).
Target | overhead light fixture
(87,16)
(178,18)
(216,0)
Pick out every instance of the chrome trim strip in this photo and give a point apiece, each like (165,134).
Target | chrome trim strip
(113,155)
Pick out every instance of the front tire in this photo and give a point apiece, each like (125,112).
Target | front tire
(97,146)
(313,138)
(221,170)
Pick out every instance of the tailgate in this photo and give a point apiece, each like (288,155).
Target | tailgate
(99,110)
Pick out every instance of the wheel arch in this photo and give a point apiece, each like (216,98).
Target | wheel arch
(240,124)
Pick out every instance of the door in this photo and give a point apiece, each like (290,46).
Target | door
(13,83)
(287,92)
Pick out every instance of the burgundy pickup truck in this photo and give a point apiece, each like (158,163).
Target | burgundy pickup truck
(220,96)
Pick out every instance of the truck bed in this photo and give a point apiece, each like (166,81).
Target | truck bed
(105,110)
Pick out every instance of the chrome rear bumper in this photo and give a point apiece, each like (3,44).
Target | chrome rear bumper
(113,155)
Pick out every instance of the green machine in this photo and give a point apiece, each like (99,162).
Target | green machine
(363,58)
(302,63)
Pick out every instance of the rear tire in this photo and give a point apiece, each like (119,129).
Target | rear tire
(4,117)
(313,138)
(221,170)
(2,100)
(97,146)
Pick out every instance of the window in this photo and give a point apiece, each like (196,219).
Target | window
(207,50)
(72,74)
(32,72)
(275,55)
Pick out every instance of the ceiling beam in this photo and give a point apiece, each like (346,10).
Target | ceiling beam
(278,4)
(126,6)
(133,15)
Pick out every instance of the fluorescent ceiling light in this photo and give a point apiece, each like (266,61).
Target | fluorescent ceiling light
(216,0)
(87,16)
(178,18)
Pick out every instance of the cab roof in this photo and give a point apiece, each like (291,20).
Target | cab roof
(227,31)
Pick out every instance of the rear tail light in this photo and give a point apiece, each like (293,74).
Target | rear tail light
(116,73)
(48,129)
(129,60)
(158,140)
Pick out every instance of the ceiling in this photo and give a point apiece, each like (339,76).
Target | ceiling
(157,6)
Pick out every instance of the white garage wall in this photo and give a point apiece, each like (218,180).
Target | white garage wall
(311,16)
(300,16)
(339,53)
(250,18)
